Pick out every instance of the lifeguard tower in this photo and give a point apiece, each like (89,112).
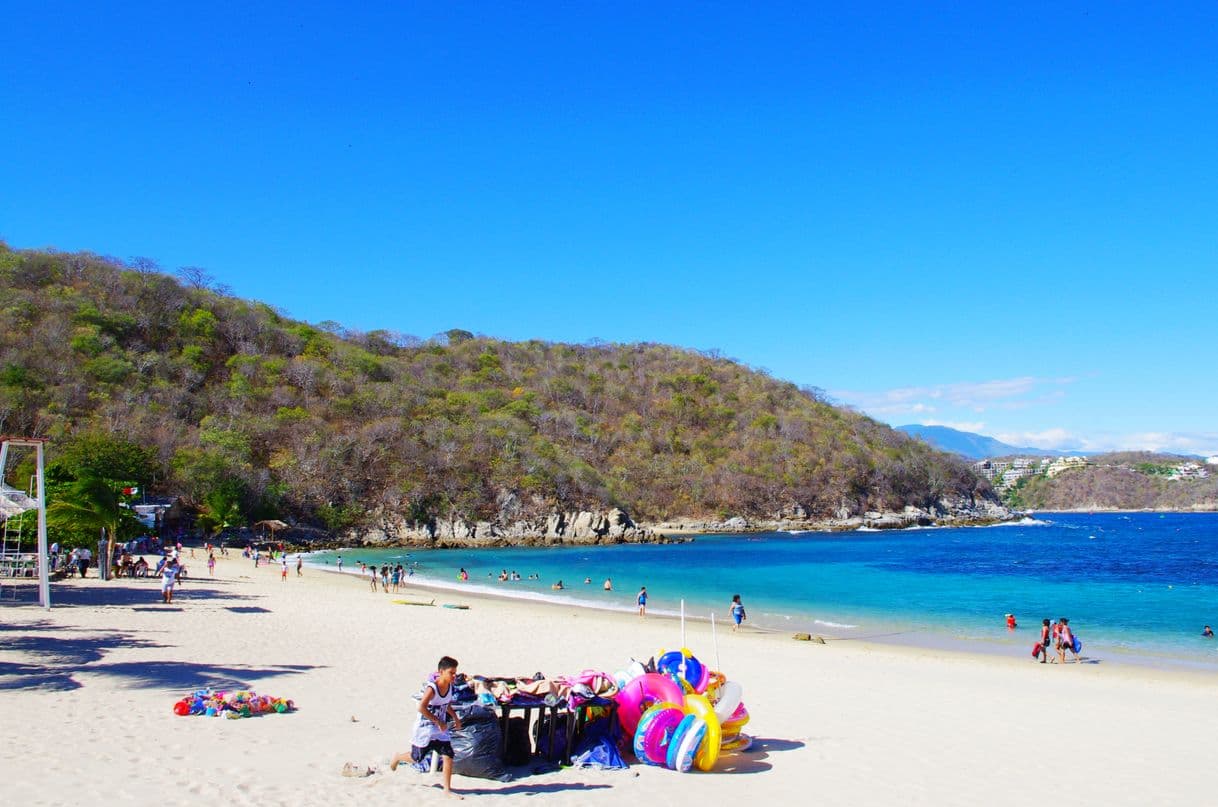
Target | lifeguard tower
(15,504)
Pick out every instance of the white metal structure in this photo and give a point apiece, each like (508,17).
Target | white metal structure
(14,501)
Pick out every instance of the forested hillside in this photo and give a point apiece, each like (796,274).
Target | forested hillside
(250,414)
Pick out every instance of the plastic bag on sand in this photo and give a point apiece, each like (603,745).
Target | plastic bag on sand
(476,745)
(597,748)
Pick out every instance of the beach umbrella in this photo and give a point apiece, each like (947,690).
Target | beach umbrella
(272,524)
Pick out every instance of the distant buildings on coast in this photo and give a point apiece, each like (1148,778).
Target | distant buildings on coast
(1003,474)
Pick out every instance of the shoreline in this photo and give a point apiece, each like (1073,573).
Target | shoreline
(930,641)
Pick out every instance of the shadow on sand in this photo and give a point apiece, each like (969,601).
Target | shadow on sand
(754,760)
(57,662)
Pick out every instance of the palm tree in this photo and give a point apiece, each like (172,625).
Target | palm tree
(220,509)
(90,505)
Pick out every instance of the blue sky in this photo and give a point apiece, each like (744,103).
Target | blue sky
(1003,221)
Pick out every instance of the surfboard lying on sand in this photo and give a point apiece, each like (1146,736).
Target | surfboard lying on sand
(413,602)
(458,606)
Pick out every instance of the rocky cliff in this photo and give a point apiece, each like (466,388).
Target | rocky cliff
(584,527)
(614,526)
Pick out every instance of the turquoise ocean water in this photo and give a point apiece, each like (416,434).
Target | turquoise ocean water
(1136,587)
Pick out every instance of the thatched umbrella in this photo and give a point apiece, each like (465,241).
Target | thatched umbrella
(272,524)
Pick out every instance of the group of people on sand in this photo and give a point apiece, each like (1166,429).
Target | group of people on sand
(1059,636)
(391,577)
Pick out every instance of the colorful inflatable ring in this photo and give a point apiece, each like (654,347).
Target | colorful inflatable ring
(708,751)
(730,695)
(678,737)
(641,694)
(704,682)
(658,738)
(640,734)
(681,663)
(693,739)
(738,720)
(741,742)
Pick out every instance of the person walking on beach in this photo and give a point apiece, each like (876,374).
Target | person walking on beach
(299,565)
(1046,637)
(431,733)
(339,561)
(211,564)
(738,615)
(642,601)
(372,576)
(283,573)
(169,576)
(1066,642)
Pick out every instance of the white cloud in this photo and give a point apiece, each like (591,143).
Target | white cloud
(1202,443)
(980,396)
(1049,438)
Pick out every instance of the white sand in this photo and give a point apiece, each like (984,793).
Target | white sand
(86,692)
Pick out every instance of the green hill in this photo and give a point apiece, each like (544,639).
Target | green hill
(247,410)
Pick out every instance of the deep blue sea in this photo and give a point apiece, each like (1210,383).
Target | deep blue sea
(1136,587)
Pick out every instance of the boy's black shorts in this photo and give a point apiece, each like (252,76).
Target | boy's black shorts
(443,747)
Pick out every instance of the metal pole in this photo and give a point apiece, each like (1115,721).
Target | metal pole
(683,624)
(44,574)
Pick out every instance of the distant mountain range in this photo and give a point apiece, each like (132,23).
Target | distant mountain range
(974,446)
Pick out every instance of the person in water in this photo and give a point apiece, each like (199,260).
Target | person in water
(1011,622)
(608,586)
(557,586)
(642,601)
(1207,632)
(737,609)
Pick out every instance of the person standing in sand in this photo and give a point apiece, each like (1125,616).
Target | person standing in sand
(169,576)
(737,609)
(642,601)
(1046,638)
(431,732)
(1066,642)
(299,565)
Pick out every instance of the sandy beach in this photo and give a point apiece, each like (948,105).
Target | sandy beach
(86,692)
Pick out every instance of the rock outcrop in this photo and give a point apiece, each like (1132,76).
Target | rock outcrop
(586,527)
(954,511)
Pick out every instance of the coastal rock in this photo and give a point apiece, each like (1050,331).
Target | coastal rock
(577,527)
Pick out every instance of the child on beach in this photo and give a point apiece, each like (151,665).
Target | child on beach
(738,614)
(642,601)
(1046,636)
(431,729)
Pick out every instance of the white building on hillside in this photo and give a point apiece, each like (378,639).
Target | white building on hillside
(1064,464)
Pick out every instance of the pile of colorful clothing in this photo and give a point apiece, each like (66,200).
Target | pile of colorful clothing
(235,704)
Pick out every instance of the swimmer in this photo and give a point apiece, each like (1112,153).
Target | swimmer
(608,584)
(557,586)
(1208,632)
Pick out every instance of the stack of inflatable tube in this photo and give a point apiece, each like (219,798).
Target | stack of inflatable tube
(682,715)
